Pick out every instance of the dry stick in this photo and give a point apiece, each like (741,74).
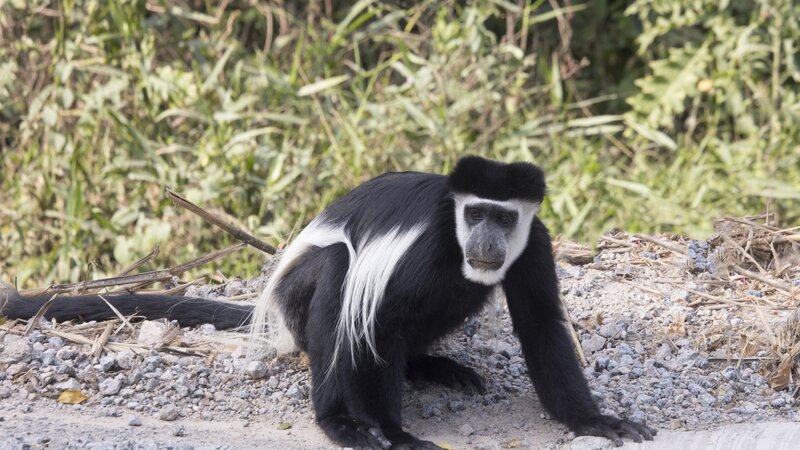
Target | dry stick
(574,335)
(101,341)
(144,277)
(119,314)
(35,320)
(233,230)
(741,249)
(777,284)
(668,245)
(139,263)
(644,288)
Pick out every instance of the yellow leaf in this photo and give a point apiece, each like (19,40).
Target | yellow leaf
(72,397)
(284,426)
(445,445)
(513,443)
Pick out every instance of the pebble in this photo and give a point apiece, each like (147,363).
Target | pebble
(169,413)
(256,370)
(592,344)
(135,421)
(179,430)
(110,386)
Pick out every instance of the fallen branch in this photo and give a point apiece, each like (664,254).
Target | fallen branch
(777,284)
(143,278)
(668,245)
(233,230)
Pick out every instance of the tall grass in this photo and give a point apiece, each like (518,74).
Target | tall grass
(269,110)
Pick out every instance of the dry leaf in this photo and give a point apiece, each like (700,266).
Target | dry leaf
(514,443)
(71,397)
(284,426)
(445,445)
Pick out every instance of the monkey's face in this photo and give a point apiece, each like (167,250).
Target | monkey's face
(492,234)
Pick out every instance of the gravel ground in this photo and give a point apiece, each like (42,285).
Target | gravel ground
(648,352)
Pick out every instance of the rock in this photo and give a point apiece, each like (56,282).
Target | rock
(110,386)
(456,405)
(466,430)
(590,443)
(179,431)
(155,334)
(108,362)
(16,350)
(169,413)
(256,370)
(679,295)
(294,392)
(135,421)
(593,343)
(488,444)
(69,384)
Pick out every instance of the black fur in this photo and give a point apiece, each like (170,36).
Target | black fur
(497,181)
(359,405)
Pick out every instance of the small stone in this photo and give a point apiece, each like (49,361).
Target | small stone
(648,255)
(135,421)
(110,386)
(466,430)
(108,362)
(256,370)
(778,402)
(70,384)
(179,430)
(593,343)
(169,413)
(679,295)
(17,350)
(456,405)
(294,392)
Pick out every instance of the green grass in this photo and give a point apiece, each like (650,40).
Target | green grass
(266,114)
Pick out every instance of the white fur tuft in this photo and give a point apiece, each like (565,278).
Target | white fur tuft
(517,240)
(268,317)
(371,267)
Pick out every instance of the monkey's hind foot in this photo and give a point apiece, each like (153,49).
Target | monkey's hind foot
(444,371)
(350,432)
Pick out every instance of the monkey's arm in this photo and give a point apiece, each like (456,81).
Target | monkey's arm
(531,288)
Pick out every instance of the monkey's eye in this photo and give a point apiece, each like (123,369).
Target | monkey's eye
(503,217)
(475,214)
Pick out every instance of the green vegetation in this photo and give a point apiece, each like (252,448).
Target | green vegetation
(651,115)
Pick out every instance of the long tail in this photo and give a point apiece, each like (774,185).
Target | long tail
(188,311)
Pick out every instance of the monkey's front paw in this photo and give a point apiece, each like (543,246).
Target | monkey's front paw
(614,429)
(406,441)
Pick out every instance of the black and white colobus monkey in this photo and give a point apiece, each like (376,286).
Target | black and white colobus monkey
(381,274)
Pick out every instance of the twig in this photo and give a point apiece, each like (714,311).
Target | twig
(139,263)
(777,284)
(668,245)
(574,335)
(233,230)
(119,314)
(144,277)
(101,341)
(39,314)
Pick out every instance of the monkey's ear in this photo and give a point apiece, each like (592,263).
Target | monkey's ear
(497,181)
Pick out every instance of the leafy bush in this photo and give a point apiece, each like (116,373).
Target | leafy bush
(269,112)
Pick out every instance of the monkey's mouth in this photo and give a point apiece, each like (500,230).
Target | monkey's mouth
(482,264)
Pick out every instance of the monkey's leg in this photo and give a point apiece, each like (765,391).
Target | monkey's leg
(374,393)
(329,393)
(444,371)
